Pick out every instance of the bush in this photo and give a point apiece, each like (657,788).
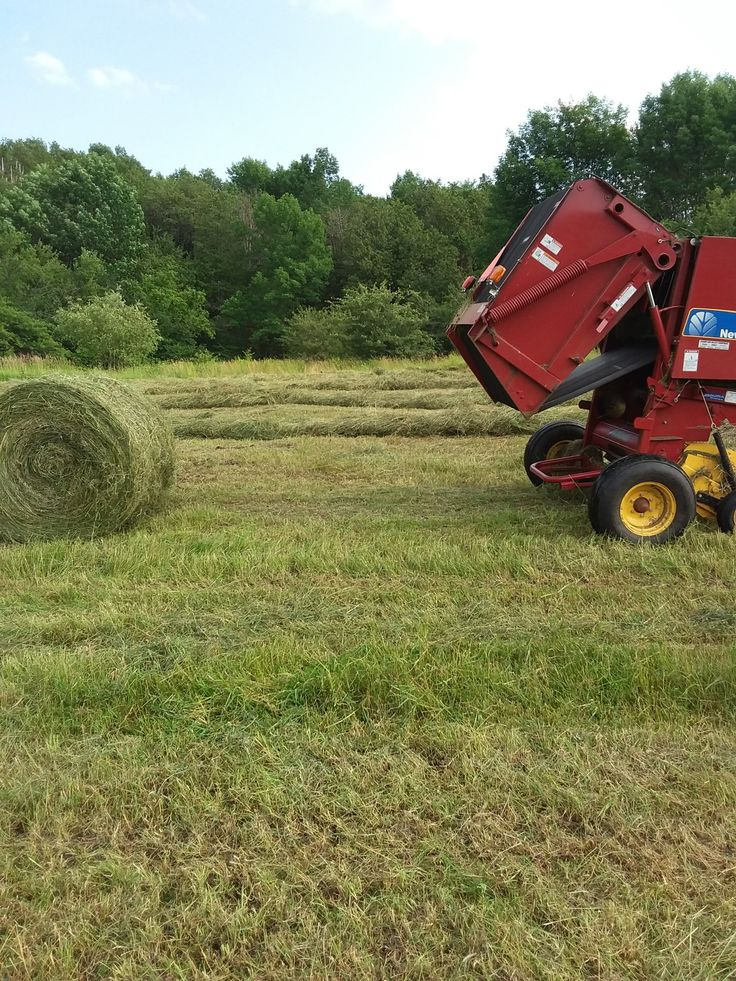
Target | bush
(20,333)
(107,332)
(367,322)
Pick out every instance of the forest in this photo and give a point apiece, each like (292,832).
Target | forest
(108,264)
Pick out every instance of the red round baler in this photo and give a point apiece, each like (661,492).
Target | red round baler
(588,271)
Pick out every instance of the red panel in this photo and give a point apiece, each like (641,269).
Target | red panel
(706,348)
(583,271)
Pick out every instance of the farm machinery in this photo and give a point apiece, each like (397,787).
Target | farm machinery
(592,297)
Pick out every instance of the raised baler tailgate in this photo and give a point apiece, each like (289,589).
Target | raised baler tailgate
(706,349)
(570,278)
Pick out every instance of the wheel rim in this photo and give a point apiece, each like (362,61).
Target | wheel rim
(648,509)
(557,449)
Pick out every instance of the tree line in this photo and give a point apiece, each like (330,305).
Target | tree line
(107,263)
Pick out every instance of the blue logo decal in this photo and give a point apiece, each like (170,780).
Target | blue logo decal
(702,323)
(711,323)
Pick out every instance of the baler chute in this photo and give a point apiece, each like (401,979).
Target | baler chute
(587,270)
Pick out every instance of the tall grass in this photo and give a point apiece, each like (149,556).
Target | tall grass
(24,367)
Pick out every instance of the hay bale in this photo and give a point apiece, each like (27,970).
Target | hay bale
(80,456)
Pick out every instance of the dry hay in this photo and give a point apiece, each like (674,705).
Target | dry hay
(276,422)
(80,456)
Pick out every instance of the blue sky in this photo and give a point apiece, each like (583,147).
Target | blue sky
(387,85)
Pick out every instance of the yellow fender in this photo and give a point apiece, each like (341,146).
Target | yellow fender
(702,464)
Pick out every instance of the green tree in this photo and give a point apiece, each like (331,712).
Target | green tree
(130,169)
(717,215)
(21,333)
(212,226)
(31,277)
(290,262)
(107,332)
(162,285)
(367,322)
(77,204)
(686,143)
(380,240)
(251,176)
(314,181)
(91,276)
(456,211)
(554,147)
(20,157)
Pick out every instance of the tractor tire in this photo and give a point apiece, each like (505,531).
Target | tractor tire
(726,513)
(550,441)
(642,498)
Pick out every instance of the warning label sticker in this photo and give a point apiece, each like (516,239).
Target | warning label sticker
(624,296)
(541,256)
(729,396)
(690,361)
(552,244)
(715,345)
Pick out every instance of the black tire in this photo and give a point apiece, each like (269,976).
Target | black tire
(667,500)
(726,513)
(546,439)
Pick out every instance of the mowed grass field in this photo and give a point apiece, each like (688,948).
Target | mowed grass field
(363,703)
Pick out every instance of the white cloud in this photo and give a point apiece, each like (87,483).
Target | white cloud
(499,61)
(50,69)
(434,20)
(120,79)
(186,10)
(109,77)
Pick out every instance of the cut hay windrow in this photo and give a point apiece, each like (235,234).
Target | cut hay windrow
(400,379)
(80,456)
(276,422)
(428,398)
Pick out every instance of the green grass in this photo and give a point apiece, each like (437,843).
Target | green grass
(369,707)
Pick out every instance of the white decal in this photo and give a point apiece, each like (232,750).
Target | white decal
(623,297)
(541,256)
(715,345)
(690,361)
(730,397)
(552,244)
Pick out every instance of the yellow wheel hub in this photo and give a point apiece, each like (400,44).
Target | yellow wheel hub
(648,509)
(557,449)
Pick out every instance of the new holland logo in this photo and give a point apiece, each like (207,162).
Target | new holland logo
(712,323)
(702,323)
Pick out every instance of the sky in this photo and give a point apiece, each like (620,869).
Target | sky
(386,85)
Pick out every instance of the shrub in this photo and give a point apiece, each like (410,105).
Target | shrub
(21,333)
(108,332)
(366,322)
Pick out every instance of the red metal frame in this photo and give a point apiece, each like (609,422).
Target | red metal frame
(569,472)
(581,282)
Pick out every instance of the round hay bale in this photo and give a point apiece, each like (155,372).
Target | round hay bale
(80,456)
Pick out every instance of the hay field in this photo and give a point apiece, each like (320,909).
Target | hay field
(365,704)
